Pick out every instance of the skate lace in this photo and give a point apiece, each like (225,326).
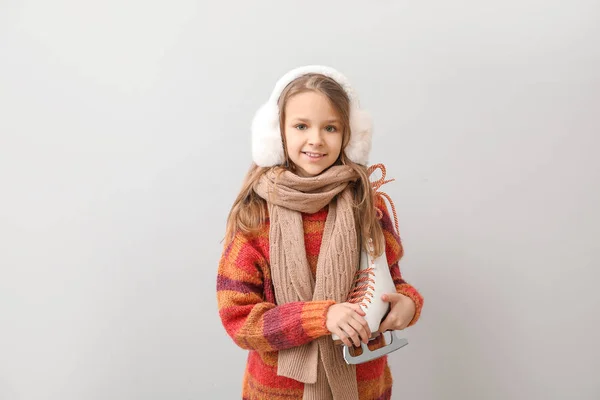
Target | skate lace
(364,283)
(378,184)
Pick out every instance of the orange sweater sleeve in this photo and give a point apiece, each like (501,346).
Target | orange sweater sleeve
(247,306)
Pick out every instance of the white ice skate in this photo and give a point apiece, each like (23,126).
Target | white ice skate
(373,279)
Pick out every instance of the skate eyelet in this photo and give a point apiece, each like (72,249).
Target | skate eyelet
(364,286)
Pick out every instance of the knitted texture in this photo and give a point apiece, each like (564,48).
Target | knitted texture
(287,195)
(253,319)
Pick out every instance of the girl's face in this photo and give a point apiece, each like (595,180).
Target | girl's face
(313,133)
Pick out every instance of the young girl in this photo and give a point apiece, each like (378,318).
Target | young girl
(292,244)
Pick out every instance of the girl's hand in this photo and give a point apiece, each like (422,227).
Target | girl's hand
(347,322)
(401,313)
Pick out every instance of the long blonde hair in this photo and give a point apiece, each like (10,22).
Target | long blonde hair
(249,211)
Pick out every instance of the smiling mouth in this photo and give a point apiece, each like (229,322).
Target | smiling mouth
(314,155)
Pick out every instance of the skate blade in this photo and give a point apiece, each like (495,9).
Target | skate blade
(374,335)
(370,355)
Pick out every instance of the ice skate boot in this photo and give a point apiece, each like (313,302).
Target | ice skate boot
(373,279)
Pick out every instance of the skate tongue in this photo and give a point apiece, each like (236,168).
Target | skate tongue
(370,355)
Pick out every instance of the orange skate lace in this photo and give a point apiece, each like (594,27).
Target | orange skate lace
(363,282)
(376,185)
(364,279)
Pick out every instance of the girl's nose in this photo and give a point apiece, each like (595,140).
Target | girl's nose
(315,137)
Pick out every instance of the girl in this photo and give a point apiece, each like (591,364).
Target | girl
(292,244)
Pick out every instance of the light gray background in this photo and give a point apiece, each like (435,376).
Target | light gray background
(124,137)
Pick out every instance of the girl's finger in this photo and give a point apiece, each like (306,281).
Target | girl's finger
(357,309)
(363,322)
(385,326)
(351,332)
(343,337)
(360,329)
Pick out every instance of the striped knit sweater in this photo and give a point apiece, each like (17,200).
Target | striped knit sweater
(246,301)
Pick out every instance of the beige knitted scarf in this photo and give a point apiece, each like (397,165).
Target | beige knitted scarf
(318,364)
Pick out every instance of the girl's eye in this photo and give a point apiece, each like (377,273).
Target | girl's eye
(301,127)
(330,128)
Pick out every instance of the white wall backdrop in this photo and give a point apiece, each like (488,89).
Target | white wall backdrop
(124,137)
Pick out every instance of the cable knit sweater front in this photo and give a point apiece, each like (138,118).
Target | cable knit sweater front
(250,315)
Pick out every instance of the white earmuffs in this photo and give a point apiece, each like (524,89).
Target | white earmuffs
(267,146)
